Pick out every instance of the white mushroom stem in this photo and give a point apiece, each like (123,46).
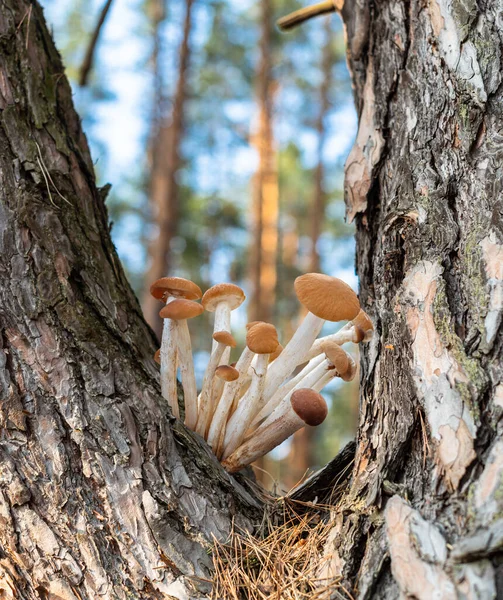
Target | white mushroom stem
(308,381)
(186,364)
(204,399)
(250,404)
(218,384)
(222,317)
(283,390)
(292,354)
(269,437)
(231,388)
(169,363)
(344,335)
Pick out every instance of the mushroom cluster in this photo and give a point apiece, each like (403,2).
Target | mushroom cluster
(247,408)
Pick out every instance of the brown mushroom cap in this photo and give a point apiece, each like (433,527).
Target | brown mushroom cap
(224,337)
(274,355)
(309,406)
(181,309)
(359,335)
(175,286)
(252,324)
(337,356)
(262,338)
(157,356)
(327,297)
(227,373)
(223,292)
(362,320)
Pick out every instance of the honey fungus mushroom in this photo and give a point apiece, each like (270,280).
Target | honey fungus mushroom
(179,311)
(327,299)
(306,407)
(167,289)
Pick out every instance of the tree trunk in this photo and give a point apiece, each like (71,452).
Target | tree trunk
(422,517)
(264,239)
(166,162)
(102,494)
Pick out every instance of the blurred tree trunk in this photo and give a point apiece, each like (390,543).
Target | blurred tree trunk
(164,189)
(264,239)
(422,517)
(302,453)
(100,495)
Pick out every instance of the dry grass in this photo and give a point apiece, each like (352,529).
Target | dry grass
(282,562)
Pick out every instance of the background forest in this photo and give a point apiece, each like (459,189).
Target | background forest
(201,116)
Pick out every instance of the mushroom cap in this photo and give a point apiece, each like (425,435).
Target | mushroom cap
(223,292)
(362,320)
(309,406)
(175,286)
(252,324)
(157,356)
(274,355)
(327,297)
(227,373)
(262,338)
(181,309)
(224,337)
(337,356)
(359,335)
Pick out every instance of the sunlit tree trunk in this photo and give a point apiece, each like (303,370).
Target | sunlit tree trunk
(164,194)
(302,453)
(100,496)
(264,239)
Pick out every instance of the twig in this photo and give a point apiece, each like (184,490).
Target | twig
(304,14)
(47,178)
(88,61)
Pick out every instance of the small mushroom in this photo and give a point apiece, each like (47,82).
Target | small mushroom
(222,299)
(157,356)
(227,373)
(230,391)
(224,339)
(263,341)
(306,407)
(166,290)
(284,389)
(180,310)
(327,299)
(360,329)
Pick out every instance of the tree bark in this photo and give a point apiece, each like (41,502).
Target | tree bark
(422,517)
(102,494)
(166,162)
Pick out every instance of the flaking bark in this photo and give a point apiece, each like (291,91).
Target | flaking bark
(423,182)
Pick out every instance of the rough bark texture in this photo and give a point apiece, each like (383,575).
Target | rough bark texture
(102,495)
(422,517)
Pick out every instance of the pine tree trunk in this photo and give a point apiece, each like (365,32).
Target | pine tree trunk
(102,495)
(164,194)
(422,517)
